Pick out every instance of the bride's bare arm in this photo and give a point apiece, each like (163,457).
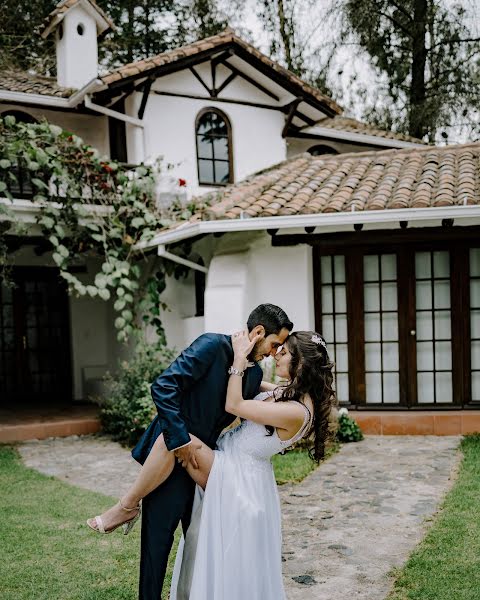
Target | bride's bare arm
(266,386)
(283,415)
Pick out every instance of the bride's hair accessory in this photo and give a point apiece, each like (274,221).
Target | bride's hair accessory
(316,339)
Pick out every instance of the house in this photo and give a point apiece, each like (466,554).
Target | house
(330,229)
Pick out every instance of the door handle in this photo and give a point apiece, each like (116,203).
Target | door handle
(413,332)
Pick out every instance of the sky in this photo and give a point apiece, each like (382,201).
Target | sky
(322,32)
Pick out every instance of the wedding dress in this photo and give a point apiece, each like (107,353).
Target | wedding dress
(232,549)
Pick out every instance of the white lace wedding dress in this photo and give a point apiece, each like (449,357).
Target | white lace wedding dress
(232,549)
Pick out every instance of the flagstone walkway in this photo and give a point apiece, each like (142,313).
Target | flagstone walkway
(345,526)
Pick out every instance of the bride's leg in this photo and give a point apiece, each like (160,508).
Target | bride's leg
(157,467)
(204,456)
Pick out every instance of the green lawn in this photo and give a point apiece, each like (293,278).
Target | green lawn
(48,553)
(446,564)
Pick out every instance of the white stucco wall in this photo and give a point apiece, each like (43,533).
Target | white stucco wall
(92,129)
(170,129)
(297,146)
(238,281)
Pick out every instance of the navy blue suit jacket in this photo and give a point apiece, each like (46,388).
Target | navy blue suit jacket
(190,395)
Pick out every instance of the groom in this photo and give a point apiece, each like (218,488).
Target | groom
(190,398)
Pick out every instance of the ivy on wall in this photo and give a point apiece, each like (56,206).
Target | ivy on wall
(89,206)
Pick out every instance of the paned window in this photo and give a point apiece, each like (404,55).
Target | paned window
(381,329)
(475,321)
(214,148)
(334,319)
(434,335)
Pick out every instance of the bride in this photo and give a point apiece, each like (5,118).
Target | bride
(236,522)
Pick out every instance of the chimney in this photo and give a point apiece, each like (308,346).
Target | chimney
(76,25)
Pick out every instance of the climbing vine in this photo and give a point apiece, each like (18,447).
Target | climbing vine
(87,206)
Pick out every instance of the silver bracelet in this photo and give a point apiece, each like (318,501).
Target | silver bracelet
(234,371)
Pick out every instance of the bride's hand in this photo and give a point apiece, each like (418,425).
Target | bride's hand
(242,345)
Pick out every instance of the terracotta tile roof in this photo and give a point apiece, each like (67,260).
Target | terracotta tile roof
(354,126)
(217,41)
(21,81)
(65,5)
(390,179)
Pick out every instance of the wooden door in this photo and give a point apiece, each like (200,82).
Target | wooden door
(396,320)
(34,339)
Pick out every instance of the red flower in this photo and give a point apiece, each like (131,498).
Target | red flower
(182,182)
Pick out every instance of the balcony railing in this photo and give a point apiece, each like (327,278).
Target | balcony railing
(20,186)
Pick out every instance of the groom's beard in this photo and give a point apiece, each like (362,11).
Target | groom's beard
(255,355)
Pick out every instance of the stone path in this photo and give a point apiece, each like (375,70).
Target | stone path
(344,527)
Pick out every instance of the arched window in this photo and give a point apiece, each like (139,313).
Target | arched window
(20,116)
(214,148)
(319,149)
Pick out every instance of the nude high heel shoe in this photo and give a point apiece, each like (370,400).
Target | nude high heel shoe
(126,525)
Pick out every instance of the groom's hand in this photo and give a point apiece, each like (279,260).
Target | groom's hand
(186,454)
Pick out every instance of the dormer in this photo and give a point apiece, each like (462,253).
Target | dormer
(76,25)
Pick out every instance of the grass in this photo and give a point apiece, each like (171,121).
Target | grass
(295,465)
(446,564)
(48,553)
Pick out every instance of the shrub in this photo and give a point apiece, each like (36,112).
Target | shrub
(128,408)
(348,429)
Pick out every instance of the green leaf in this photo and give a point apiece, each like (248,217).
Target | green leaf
(127,315)
(58,258)
(60,230)
(98,237)
(63,251)
(104,294)
(101,281)
(53,240)
(92,291)
(48,222)
(120,323)
(3,186)
(138,222)
(119,304)
(5,163)
(107,268)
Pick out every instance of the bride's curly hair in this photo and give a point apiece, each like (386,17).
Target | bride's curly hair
(310,373)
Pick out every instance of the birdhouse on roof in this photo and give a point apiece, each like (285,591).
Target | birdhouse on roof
(77,24)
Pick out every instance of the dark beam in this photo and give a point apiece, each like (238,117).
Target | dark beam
(282,80)
(146,93)
(292,107)
(306,119)
(311,136)
(250,80)
(221,58)
(425,236)
(227,81)
(226,100)
(166,69)
(193,70)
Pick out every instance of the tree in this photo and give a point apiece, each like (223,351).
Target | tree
(429,57)
(20,43)
(293,28)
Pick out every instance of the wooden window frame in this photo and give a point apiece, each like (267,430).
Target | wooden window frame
(222,115)
(459,250)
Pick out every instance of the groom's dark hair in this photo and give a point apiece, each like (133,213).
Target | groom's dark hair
(272,317)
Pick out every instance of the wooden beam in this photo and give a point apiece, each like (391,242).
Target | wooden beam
(146,93)
(227,81)
(291,113)
(250,80)
(387,238)
(226,100)
(282,80)
(193,70)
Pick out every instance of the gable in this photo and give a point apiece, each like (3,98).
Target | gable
(218,64)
